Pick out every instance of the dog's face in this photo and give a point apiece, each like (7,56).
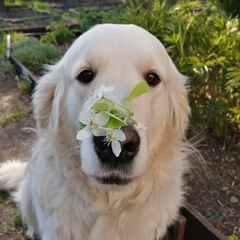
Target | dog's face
(119,56)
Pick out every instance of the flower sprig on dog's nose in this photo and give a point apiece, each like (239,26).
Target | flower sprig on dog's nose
(104,117)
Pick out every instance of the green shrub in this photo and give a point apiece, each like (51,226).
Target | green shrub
(15,36)
(24,82)
(34,54)
(233,237)
(3,40)
(205,44)
(231,6)
(58,33)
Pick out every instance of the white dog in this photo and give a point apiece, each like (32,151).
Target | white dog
(79,190)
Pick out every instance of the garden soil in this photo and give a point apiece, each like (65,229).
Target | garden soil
(213,188)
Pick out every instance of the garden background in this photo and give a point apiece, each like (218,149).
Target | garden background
(202,38)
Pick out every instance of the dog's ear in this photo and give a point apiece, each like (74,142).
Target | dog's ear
(48,98)
(178,102)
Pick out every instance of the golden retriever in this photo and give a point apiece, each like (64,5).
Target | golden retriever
(79,190)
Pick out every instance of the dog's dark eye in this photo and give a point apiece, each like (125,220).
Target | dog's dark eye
(152,79)
(85,76)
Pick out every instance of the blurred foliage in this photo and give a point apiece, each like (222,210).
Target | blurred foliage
(83,18)
(233,237)
(204,43)
(3,39)
(16,115)
(202,39)
(34,54)
(15,36)
(231,6)
(58,33)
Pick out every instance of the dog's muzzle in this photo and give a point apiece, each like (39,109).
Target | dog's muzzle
(121,164)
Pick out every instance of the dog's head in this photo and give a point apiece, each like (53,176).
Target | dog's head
(120,56)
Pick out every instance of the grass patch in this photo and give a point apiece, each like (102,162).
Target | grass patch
(4,195)
(12,225)
(11,117)
(233,237)
(15,224)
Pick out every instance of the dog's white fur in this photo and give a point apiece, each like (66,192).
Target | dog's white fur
(58,196)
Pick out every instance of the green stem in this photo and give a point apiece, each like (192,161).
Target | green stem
(130,113)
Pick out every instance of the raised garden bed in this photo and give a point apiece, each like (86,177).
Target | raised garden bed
(198,227)
(28,20)
(21,70)
(22,19)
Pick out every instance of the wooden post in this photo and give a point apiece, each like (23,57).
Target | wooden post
(176,232)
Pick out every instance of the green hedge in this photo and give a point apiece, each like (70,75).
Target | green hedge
(34,54)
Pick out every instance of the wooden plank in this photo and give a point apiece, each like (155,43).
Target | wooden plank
(177,230)
(25,29)
(16,20)
(178,234)
(20,68)
(198,227)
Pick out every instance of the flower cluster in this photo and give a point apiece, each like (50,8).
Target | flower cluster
(104,117)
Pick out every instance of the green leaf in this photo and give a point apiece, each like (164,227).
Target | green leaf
(81,125)
(103,105)
(108,102)
(114,123)
(100,106)
(138,90)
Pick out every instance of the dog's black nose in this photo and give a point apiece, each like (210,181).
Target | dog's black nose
(130,147)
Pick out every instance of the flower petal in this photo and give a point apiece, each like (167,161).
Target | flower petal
(98,132)
(85,117)
(83,134)
(119,134)
(101,119)
(116,147)
(89,103)
(139,126)
(105,89)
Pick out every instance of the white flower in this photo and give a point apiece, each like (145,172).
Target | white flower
(101,119)
(104,117)
(113,137)
(92,122)
(138,126)
(97,95)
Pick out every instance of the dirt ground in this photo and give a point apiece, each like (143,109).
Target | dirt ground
(215,192)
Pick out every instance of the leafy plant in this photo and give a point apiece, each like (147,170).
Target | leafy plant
(34,54)
(3,40)
(15,224)
(204,43)
(231,6)
(233,237)
(4,195)
(18,114)
(58,33)
(24,82)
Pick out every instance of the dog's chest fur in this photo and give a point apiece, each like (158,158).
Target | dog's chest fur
(77,209)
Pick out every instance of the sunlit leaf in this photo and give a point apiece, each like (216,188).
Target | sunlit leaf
(114,123)
(81,126)
(100,106)
(138,90)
